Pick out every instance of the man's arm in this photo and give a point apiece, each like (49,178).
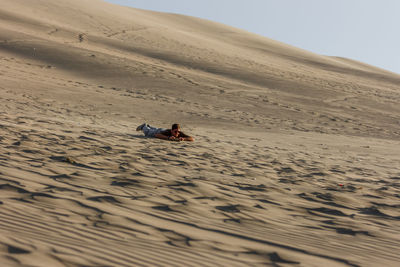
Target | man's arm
(188,138)
(172,138)
(161,136)
(185,137)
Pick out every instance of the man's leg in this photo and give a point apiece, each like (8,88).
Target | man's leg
(140,127)
(150,131)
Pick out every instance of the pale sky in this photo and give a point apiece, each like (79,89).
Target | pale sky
(364,30)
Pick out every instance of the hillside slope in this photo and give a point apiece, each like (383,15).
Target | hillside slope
(296,158)
(135,50)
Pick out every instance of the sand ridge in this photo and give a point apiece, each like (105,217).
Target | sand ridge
(295,161)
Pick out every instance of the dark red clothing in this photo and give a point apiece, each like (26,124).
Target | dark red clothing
(169,133)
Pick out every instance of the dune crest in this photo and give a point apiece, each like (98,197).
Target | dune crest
(295,160)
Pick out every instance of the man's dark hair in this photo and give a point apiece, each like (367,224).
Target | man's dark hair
(175,126)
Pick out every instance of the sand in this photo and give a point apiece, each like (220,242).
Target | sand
(295,163)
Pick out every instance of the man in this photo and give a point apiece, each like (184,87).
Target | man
(173,134)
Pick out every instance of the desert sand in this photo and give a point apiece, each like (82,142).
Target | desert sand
(295,163)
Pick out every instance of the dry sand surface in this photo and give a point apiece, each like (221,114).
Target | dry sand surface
(295,163)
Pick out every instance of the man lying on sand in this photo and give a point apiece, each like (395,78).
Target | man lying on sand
(173,134)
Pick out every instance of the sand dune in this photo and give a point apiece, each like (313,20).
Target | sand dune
(296,159)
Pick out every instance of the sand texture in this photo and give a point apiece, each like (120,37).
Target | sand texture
(296,160)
